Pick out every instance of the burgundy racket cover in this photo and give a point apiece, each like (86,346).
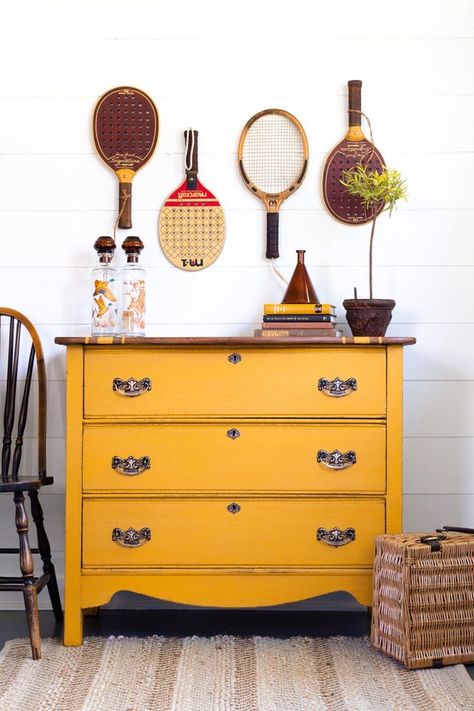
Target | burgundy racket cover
(125,135)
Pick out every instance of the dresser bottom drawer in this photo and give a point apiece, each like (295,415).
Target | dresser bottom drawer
(236,532)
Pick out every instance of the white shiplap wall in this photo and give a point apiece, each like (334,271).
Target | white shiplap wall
(211,65)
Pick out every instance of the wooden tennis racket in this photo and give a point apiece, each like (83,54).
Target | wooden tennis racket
(192,222)
(273,157)
(353,149)
(125,127)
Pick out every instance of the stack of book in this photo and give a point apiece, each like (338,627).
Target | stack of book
(298,320)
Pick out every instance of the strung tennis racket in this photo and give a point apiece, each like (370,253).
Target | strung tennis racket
(273,157)
(353,149)
(192,222)
(125,129)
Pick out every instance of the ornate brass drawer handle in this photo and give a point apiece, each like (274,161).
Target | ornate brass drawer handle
(234,358)
(336,537)
(131,538)
(233,433)
(337,387)
(336,459)
(131,387)
(131,466)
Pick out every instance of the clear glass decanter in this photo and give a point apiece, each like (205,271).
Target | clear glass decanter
(133,290)
(105,287)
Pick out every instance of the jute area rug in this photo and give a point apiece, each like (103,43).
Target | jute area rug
(223,674)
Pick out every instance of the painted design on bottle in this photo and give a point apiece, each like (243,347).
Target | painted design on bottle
(133,290)
(133,311)
(105,291)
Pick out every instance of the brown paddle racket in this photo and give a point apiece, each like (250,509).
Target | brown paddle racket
(192,222)
(125,129)
(273,157)
(353,149)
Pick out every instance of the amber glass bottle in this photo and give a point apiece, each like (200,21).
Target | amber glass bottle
(300,289)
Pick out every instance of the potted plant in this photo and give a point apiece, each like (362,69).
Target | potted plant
(370,317)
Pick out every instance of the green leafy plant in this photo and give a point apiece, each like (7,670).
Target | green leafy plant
(374,189)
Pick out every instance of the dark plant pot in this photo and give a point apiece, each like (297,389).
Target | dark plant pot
(368,317)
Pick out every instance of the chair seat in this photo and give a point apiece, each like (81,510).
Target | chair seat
(24,483)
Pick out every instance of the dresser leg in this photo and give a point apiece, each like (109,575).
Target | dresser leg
(72,626)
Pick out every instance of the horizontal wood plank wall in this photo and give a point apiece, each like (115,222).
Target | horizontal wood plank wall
(57,197)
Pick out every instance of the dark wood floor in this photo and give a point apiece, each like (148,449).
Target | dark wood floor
(184,623)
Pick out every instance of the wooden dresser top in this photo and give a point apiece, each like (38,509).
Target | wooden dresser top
(233,341)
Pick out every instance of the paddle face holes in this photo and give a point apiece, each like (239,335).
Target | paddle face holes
(343,206)
(117,120)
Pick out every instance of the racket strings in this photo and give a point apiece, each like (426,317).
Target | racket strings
(371,140)
(273,154)
(188,233)
(188,156)
(126,198)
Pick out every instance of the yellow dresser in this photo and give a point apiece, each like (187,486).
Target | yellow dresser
(229,472)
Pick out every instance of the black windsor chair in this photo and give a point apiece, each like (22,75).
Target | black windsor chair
(20,348)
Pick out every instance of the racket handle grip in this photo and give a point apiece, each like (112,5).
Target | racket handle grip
(191,158)
(355,89)
(125,206)
(272,235)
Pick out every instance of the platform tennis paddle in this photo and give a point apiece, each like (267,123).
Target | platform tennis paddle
(273,157)
(192,222)
(125,127)
(353,149)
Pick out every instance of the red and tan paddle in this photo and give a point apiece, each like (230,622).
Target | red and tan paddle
(125,130)
(353,149)
(192,222)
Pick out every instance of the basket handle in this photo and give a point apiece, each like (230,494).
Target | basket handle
(457,529)
(434,540)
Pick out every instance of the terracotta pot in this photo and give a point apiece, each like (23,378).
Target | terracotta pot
(368,317)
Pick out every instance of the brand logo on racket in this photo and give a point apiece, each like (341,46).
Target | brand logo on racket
(122,160)
(192,262)
(183,194)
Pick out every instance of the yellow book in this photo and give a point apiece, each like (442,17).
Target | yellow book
(299,309)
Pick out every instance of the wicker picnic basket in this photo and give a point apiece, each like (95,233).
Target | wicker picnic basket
(423,597)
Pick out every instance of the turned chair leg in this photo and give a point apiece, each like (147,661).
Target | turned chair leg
(45,553)
(27,569)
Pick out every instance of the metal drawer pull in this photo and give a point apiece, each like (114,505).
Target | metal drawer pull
(131,387)
(131,538)
(336,537)
(337,387)
(336,459)
(233,508)
(233,433)
(131,466)
(234,358)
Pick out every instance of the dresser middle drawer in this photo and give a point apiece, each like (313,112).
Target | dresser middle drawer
(235,457)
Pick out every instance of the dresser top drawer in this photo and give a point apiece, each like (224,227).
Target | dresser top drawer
(141,381)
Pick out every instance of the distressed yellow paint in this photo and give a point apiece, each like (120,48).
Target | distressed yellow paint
(72,573)
(191,381)
(199,552)
(203,457)
(394,438)
(265,532)
(242,589)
